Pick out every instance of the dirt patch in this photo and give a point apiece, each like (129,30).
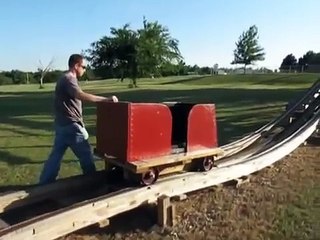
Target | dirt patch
(281,202)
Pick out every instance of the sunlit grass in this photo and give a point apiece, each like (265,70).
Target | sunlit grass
(243,104)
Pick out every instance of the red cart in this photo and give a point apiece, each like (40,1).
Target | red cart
(147,140)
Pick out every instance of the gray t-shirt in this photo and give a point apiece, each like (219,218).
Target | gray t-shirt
(67,107)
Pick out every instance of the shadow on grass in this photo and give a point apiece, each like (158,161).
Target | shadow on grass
(252,79)
(231,126)
(185,80)
(25,103)
(284,80)
(28,124)
(12,159)
(22,133)
(232,79)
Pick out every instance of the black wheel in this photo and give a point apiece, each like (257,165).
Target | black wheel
(149,177)
(114,173)
(207,163)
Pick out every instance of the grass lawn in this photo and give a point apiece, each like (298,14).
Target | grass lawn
(244,103)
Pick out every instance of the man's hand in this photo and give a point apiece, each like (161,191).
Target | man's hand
(111,99)
(114,99)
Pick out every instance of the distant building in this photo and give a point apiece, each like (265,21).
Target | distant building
(221,72)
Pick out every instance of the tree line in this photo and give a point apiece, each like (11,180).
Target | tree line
(310,62)
(20,77)
(149,51)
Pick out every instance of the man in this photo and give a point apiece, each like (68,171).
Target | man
(69,126)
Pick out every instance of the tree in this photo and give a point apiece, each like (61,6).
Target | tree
(43,71)
(289,62)
(115,54)
(156,48)
(144,52)
(125,51)
(247,49)
(307,58)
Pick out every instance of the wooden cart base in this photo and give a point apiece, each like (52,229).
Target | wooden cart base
(147,171)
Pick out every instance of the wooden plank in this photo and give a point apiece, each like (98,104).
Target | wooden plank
(58,189)
(186,157)
(143,165)
(172,169)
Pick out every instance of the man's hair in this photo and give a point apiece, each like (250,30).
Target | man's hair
(74,59)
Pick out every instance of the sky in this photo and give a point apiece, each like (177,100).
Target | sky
(41,30)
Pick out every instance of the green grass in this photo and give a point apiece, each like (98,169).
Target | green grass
(300,219)
(243,104)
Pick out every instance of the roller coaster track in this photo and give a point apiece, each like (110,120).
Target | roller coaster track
(243,157)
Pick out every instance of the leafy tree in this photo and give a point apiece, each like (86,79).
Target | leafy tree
(4,79)
(129,53)
(289,62)
(156,48)
(205,70)
(124,50)
(115,55)
(310,58)
(306,59)
(101,55)
(247,49)
(168,69)
(182,68)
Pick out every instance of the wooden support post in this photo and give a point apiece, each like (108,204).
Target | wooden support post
(238,181)
(244,179)
(166,212)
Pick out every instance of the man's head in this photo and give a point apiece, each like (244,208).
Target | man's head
(77,64)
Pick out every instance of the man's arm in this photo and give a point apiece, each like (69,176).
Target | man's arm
(73,89)
(87,97)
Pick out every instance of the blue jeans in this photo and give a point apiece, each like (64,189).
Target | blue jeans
(74,136)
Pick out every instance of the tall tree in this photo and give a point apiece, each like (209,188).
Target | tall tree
(308,60)
(156,48)
(289,62)
(125,44)
(247,49)
(135,53)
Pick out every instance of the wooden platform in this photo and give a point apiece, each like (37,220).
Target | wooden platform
(173,160)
